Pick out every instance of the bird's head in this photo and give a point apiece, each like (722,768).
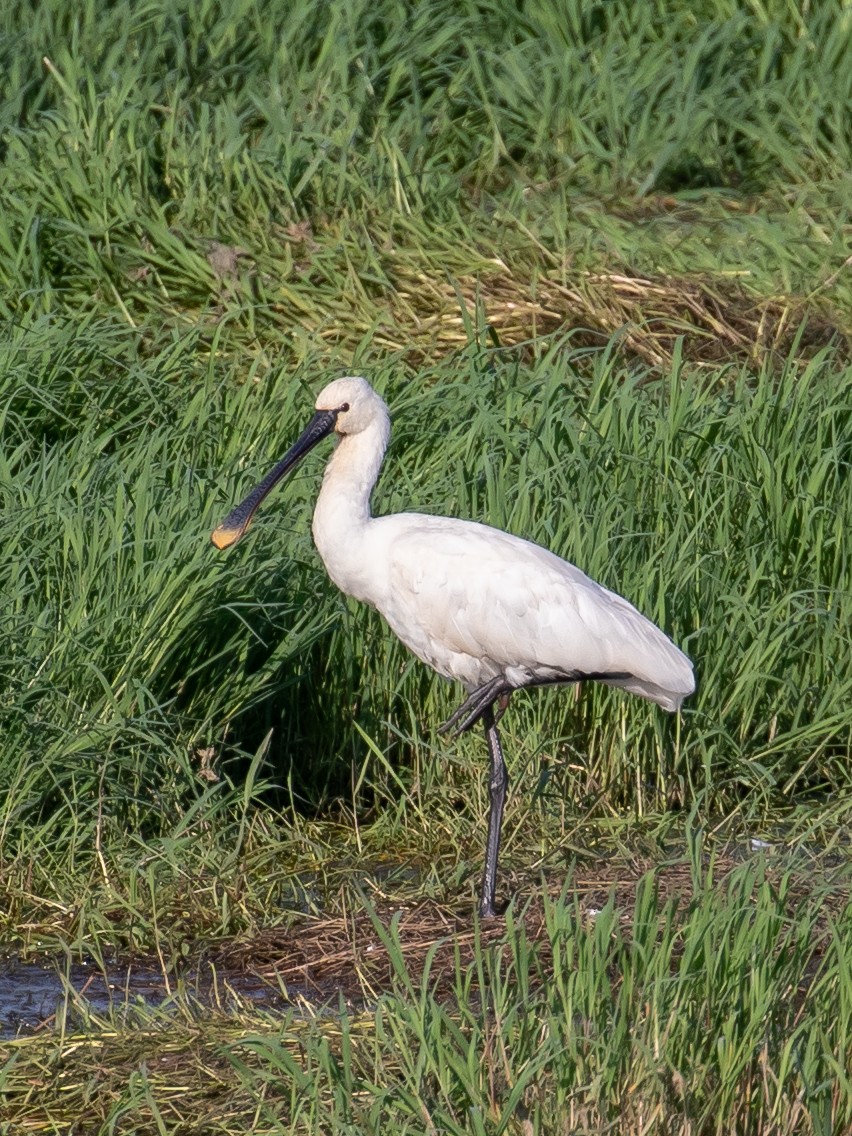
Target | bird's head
(345,407)
(353,402)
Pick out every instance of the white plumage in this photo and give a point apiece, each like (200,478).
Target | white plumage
(476,604)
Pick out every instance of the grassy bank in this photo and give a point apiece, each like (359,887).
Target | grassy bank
(597,259)
(687,1003)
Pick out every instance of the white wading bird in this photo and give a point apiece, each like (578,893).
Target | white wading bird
(491,610)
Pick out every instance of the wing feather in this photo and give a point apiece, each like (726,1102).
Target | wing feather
(473,601)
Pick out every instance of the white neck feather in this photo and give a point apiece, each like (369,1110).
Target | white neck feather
(342,511)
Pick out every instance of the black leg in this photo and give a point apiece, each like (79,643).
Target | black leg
(480,703)
(498,783)
(498,690)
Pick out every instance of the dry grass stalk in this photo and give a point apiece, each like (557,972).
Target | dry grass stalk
(716,321)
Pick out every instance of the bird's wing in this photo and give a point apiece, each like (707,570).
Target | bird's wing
(462,591)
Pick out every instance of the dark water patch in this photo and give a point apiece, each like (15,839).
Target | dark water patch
(35,996)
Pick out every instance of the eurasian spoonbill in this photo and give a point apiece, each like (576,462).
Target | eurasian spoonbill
(493,611)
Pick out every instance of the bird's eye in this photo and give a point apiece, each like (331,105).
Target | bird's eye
(344,408)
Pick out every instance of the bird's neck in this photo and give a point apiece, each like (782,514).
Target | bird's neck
(342,511)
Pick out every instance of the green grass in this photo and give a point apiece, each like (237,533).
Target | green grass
(724,1010)
(597,259)
(411,142)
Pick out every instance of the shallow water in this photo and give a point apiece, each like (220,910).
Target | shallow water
(33,995)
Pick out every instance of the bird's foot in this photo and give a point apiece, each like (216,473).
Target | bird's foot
(492,909)
(476,704)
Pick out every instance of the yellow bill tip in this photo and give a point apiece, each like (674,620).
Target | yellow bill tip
(224,536)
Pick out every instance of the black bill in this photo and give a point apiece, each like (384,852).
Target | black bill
(239,519)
